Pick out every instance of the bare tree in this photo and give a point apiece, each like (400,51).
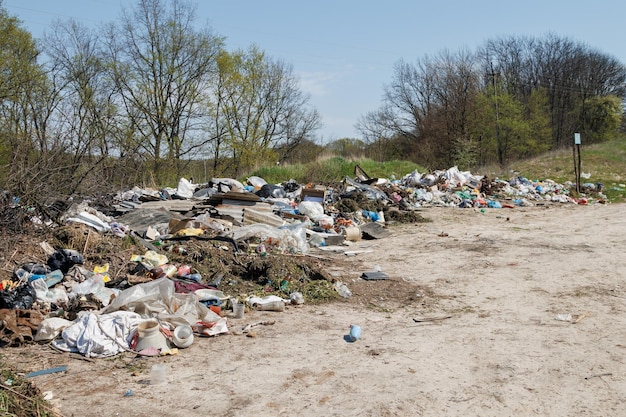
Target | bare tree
(162,68)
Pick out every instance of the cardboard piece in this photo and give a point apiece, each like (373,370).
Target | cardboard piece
(313,194)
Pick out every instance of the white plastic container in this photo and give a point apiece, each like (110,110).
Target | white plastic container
(183,336)
(238,310)
(277,305)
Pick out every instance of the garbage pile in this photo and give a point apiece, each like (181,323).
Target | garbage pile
(166,293)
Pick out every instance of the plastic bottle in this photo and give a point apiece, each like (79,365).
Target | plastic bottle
(355,332)
(342,289)
(271,306)
(193,277)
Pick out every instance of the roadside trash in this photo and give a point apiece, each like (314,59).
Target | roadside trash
(102,270)
(563,317)
(572,318)
(205,294)
(352,233)
(267,303)
(149,336)
(374,231)
(30,271)
(342,289)
(296,298)
(54,370)
(128,393)
(158,374)
(183,336)
(260,219)
(374,276)
(355,333)
(21,297)
(238,309)
(271,306)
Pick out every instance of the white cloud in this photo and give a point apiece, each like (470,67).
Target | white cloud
(317,83)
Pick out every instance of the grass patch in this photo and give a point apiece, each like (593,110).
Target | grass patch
(20,398)
(334,169)
(604,162)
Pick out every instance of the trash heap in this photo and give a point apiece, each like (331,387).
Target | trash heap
(185,248)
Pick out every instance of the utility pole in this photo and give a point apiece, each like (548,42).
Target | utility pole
(495,96)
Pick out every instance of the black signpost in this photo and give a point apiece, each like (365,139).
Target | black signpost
(577,160)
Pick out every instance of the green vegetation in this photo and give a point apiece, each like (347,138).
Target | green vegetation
(334,169)
(148,99)
(18,397)
(605,162)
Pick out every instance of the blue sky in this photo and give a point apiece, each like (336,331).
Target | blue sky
(344,51)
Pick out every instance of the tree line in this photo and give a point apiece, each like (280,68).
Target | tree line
(139,101)
(513,98)
(152,97)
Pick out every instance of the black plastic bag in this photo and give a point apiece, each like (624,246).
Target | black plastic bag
(64,259)
(21,297)
(271,190)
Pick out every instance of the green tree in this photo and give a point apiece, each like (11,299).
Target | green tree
(347,147)
(601,118)
(24,111)
(261,109)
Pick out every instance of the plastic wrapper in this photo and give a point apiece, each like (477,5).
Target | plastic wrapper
(290,238)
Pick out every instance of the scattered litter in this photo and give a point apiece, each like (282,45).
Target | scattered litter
(563,317)
(342,289)
(374,276)
(46,371)
(96,310)
(354,334)
(429,319)
(572,318)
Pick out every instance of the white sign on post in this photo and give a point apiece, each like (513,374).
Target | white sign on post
(576,138)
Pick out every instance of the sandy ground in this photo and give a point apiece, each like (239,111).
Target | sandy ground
(492,283)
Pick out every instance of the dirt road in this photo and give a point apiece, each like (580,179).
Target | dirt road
(502,312)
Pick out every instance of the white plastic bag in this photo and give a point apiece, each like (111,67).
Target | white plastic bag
(185,188)
(312,209)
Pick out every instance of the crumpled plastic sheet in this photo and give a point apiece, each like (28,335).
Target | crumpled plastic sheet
(158,299)
(109,332)
(99,336)
(290,238)
(50,328)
